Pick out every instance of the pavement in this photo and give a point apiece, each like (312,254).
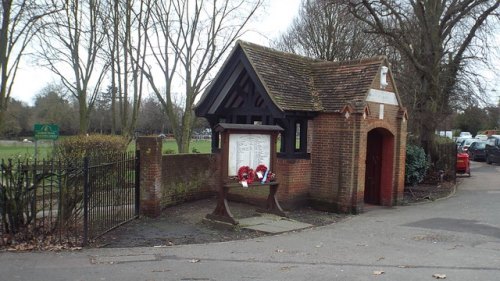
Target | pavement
(457,238)
(272,224)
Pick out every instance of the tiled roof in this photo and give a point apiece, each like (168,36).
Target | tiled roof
(342,83)
(298,83)
(287,77)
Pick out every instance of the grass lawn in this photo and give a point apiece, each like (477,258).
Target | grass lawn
(23,150)
(199,146)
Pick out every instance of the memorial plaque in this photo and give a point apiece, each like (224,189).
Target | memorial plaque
(248,150)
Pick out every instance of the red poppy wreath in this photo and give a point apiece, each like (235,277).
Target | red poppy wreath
(260,171)
(245,174)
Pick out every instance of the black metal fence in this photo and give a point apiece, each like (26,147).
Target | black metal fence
(67,202)
(111,193)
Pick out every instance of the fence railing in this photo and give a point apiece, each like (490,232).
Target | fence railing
(111,193)
(67,202)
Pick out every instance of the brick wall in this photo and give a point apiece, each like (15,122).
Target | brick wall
(293,176)
(187,177)
(334,161)
(172,179)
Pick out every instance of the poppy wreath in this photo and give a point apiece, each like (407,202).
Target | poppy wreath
(246,174)
(262,169)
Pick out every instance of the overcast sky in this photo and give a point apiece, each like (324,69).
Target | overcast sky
(276,18)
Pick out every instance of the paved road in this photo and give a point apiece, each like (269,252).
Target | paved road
(458,237)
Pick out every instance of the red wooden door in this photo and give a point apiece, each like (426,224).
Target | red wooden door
(373,168)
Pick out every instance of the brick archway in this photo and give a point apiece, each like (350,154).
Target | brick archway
(379,167)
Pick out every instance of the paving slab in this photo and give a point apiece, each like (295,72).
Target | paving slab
(272,224)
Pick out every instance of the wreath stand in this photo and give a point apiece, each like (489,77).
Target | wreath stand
(222,213)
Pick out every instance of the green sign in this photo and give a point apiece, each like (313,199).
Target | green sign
(46,132)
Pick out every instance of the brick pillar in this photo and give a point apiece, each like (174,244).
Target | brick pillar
(400,159)
(150,173)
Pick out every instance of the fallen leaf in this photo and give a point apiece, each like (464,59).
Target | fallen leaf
(194,261)
(279,251)
(439,276)
(378,272)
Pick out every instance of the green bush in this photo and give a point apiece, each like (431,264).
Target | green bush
(71,152)
(77,147)
(416,164)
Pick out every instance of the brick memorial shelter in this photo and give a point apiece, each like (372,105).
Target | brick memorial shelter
(343,142)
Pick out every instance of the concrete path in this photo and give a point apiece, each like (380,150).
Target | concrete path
(458,238)
(269,223)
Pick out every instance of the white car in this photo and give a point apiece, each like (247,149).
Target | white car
(464,146)
(465,135)
(481,137)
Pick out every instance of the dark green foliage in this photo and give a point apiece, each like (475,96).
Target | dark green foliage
(416,165)
(473,119)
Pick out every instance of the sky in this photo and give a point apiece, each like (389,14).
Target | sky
(275,19)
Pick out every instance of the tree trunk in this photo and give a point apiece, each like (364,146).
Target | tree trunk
(187,129)
(83,114)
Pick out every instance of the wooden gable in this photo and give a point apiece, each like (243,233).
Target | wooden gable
(237,95)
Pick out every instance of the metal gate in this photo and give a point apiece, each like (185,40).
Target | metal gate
(111,193)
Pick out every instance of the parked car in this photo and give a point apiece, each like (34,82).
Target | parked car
(481,137)
(477,150)
(459,141)
(465,135)
(493,149)
(464,146)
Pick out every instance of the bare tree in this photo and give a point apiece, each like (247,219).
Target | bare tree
(152,118)
(187,40)
(71,46)
(326,30)
(437,39)
(18,26)
(126,39)
(52,105)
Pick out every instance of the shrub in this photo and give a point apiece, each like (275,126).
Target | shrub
(71,151)
(77,147)
(18,201)
(416,164)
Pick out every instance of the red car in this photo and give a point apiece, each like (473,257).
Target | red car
(463,163)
